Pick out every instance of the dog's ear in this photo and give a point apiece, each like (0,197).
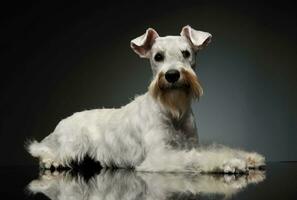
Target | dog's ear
(142,44)
(198,39)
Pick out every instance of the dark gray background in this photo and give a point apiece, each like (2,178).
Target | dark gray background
(63,58)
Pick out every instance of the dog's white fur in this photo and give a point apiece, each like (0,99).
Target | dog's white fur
(156,131)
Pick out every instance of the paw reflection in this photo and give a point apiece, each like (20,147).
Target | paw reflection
(128,184)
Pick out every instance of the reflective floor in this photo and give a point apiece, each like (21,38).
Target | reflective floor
(278,181)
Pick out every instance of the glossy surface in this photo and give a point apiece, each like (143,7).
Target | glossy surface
(278,181)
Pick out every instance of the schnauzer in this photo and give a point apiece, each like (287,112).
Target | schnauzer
(154,132)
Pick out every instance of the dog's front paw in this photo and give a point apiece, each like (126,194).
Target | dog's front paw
(255,161)
(234,166)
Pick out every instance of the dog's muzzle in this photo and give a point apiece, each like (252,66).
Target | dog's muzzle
(183,80)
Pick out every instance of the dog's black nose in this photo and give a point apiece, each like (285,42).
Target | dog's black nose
(172,75)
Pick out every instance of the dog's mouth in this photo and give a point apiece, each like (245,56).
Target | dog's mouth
(175,86)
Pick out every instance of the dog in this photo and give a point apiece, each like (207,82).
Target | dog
(154,132)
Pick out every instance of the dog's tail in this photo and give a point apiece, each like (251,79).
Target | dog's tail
(36,149)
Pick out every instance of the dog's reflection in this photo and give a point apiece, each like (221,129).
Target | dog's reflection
(128,184)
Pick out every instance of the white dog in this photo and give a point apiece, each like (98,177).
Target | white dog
(156,131)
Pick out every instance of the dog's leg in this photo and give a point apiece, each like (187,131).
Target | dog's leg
(162,157)
(59,150)
(210,160)
(219,160)
(193,161)
(45,151)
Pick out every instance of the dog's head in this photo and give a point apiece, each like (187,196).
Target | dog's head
(172,60)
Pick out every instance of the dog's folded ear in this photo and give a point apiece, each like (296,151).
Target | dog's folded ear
(198,39)
(142,44)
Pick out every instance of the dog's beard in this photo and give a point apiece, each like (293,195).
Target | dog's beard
(176,98)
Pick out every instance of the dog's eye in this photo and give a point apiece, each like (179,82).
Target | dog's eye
(159,57)
(186,54)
